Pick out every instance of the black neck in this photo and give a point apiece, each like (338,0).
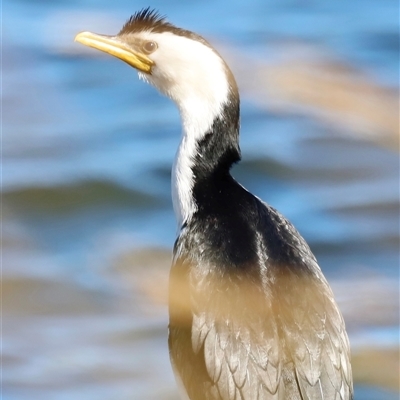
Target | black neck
(219,149)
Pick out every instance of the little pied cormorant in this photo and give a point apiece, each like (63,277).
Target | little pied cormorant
(251,315)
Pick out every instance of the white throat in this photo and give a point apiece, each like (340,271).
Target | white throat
(195,77)
(197,119)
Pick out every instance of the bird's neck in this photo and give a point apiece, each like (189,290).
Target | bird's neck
(208,148)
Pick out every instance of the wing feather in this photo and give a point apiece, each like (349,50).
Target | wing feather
(276,338)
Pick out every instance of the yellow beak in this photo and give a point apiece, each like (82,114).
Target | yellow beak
(114,46)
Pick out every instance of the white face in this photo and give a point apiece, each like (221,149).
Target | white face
(191,74)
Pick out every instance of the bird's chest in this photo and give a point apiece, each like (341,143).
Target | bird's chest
(221,240)
(213,266)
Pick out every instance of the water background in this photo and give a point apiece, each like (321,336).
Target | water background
(87,219)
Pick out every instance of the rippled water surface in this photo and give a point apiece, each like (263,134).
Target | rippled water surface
(87,217)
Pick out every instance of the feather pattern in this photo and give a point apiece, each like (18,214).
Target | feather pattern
(248,343)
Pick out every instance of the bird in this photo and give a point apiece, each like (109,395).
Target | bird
(251,315)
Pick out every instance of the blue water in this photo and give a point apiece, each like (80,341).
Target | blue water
(87,152)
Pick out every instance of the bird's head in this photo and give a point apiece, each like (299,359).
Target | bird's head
(180,64)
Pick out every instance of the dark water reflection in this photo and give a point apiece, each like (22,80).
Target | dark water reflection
(87,216)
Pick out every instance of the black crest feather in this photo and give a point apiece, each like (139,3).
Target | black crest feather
(147,19)
(151,20)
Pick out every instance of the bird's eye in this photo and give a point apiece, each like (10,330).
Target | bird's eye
(149,47)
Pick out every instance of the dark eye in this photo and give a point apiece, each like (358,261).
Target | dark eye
(149,47)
